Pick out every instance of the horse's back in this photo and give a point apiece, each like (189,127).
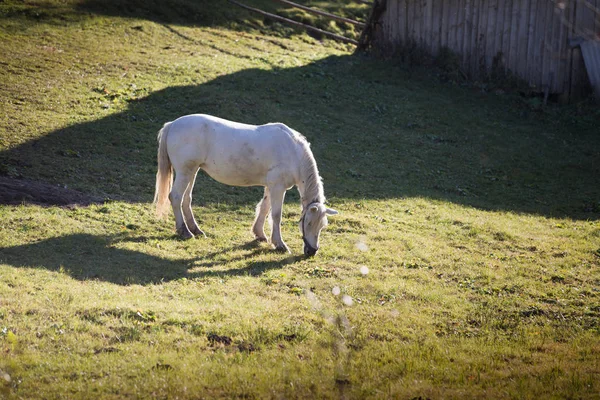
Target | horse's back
(231,152)
(203,124)
(195,121)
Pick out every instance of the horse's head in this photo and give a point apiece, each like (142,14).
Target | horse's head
(313,220)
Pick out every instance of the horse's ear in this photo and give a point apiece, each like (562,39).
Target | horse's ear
(331,211)
(314,208)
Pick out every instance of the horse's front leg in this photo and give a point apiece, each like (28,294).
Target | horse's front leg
(262,209)
(277,194)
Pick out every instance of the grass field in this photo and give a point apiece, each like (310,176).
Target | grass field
(475,211)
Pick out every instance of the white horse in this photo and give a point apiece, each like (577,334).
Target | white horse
(271,155)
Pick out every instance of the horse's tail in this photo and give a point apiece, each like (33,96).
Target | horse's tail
(164,176)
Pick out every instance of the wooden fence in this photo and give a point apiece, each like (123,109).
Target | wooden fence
(529,38)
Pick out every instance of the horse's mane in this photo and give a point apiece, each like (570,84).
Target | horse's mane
(313,183)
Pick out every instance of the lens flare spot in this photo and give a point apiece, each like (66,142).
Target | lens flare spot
(347,300)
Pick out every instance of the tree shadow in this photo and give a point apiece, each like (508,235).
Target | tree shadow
(197,13)
(183,12)
(215,12)
(89,257)
(377,132)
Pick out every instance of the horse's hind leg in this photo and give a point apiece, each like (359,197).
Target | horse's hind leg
(180,186)
(262,209)
(187,209)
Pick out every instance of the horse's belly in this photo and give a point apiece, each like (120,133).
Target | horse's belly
(236,173)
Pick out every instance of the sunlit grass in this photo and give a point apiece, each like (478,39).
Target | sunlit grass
(465,256)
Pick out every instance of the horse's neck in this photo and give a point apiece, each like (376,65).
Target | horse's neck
(310,186)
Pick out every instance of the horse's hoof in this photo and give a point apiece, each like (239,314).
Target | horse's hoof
(282,249)
(186,235)
(260,239)
(198,232)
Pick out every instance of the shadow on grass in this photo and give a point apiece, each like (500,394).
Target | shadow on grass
(205,13)
(89,257)
(182,12)
(377,131)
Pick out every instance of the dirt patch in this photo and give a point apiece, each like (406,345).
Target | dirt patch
(18,191)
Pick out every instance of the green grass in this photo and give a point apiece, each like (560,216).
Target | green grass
(476,213)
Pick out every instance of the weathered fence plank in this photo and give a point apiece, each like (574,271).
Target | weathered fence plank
(451,25)
(537,45)
(436,13)
(481,38)
(460,27)
(523,38)
(513,53)
(585,22)
(547,48)
(388,25)
(597,20)
(577,60)
(556,48)
(472,66)
(498,33)
(490,39)
(420,23)
(459,15)
(402,13)
(467,31)
(428,26)
(531,30)
(564,52)
(444,18)
(393,28)
(412,24)
(590,50)
(506,32)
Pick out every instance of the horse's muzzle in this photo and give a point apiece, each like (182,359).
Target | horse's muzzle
(309,251)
